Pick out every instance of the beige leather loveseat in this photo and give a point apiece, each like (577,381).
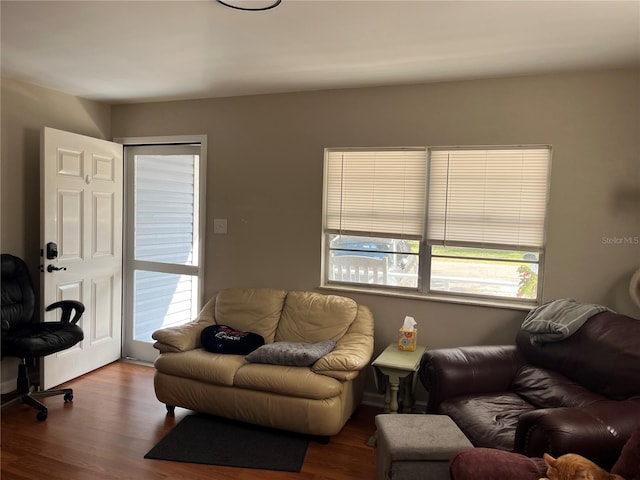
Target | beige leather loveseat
(316,400)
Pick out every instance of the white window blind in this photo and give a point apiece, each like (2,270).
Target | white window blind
(488,197)
(166,208)
(375,192)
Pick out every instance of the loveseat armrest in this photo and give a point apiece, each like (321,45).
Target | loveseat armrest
(353,351)
(597,431)
(452,372)
(187,336)
(351,354)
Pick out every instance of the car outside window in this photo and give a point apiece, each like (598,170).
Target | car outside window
(398,260)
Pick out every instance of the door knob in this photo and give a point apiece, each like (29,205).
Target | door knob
(51,268)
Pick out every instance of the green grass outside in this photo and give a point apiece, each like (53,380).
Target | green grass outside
(475,252)
(480,253)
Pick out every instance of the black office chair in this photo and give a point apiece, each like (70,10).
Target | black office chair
(23,336)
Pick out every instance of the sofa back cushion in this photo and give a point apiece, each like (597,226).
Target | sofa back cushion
(602,355)
(548,389)
(250,310)
(313,317)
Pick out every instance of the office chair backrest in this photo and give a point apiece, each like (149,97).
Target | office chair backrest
(18,295)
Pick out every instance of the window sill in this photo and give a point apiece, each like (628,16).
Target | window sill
(457,299)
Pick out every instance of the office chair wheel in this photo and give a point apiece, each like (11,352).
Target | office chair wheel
(68,397)
(42,416)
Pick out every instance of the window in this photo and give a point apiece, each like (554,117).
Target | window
(374,215)
(437,221)
(164,236)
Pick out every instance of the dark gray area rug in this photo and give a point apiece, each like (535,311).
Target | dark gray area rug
(217,441)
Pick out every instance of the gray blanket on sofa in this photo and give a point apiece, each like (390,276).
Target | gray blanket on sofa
(558,319)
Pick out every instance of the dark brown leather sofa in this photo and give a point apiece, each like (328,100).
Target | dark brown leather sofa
(493,464)
(579,395)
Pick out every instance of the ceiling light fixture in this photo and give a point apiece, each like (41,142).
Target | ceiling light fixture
(237,6)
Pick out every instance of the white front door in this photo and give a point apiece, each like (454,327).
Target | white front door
(81,213)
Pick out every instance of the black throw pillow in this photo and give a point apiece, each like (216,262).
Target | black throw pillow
(224,339)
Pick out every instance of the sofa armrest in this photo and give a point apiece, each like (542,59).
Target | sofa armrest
(353,351)
(187,336)
(451,372)
(597,431)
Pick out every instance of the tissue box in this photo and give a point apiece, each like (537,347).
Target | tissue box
(407,340)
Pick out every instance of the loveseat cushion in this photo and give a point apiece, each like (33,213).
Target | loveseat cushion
(199,364)
(487,420)
(548,389)
(288,381)
(250,310)
(313,317)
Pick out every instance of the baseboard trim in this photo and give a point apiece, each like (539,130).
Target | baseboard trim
(369,398)
(373,399)
(8,386)
(377,400)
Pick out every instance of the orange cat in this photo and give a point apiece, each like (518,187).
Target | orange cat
(575,467)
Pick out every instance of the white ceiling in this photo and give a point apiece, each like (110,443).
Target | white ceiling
(130,51)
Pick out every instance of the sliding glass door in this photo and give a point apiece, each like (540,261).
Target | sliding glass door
(164,238)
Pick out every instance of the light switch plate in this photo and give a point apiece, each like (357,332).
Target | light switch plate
(220,226)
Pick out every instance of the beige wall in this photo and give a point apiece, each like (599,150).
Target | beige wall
(25,110)
(265,177)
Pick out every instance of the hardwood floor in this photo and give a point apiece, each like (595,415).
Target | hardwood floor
(115,420)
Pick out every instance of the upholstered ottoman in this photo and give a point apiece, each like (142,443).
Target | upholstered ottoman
(416,446)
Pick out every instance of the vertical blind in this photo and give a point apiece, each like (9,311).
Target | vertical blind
(165,208)
(376,192)
(166,198)
(488,197)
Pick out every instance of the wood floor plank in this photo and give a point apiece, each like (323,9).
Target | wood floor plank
(115,420)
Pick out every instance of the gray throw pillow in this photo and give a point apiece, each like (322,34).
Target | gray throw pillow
(295,354)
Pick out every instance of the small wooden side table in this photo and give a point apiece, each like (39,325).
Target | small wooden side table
(396,364)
